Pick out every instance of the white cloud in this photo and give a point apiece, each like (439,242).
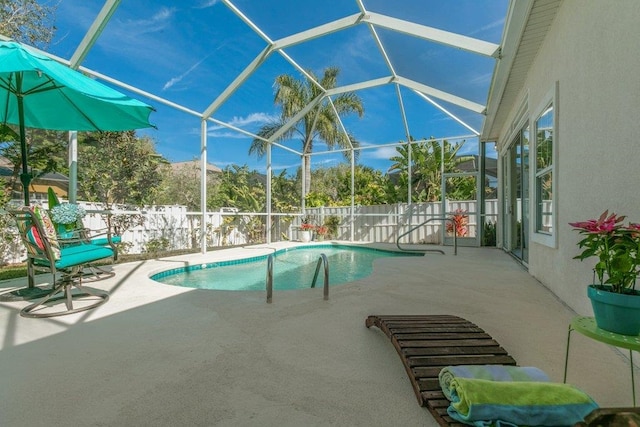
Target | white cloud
(256,120)
(384,153)
(226,134)
(492,25)
(207,3)
(177,79)
(157,22)
(253,118)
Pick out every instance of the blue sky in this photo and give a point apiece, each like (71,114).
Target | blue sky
(189,52)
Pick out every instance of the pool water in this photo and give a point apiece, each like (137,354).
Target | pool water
(292,269)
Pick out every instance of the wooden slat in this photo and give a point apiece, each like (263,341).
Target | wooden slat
(428,343)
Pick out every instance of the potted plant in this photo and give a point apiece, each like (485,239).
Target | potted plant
(66,217)
(321,232)
(617,248)
(306,228)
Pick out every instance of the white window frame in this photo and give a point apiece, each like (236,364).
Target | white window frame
(549,239)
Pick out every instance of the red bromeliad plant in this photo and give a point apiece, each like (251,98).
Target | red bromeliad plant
(460,221)
(322,230)
(616,246)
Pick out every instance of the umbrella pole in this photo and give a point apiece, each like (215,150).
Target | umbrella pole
(25,176)
(31,291)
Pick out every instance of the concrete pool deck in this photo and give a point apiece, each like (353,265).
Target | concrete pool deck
(158,355)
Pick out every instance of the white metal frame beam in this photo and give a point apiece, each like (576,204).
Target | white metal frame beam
(319,31)
(437,93)
(94,32)
(433,34)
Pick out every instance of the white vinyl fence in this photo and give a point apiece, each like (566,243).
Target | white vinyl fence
(165,228)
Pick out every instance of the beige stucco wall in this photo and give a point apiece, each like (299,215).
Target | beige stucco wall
(593,52)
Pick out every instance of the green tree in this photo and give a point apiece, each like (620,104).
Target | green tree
(321,122)
(31,22)
(181,186)
(332,186)
(28,21)
(118,168)
(46,151)
(369,187)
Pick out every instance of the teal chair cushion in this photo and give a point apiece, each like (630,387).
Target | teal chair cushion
(79,254)
(103,241)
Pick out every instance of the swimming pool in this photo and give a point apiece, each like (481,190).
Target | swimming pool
(293,268)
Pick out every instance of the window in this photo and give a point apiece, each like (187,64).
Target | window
(544,171)
(544,208)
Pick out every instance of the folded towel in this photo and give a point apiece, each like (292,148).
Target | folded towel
(483,403)
(489,372)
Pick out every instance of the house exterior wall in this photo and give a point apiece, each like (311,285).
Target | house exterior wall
(591,53)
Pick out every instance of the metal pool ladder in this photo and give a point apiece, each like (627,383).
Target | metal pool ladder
(322,260)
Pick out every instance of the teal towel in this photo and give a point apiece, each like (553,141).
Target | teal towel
(489,372)
(521,403)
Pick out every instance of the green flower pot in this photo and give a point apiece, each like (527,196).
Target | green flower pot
(614,312)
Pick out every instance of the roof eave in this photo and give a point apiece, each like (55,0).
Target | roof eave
(517,17)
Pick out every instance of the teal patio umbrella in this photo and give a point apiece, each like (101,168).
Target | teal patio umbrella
(39,92)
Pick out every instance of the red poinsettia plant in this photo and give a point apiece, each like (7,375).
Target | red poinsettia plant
(617,247)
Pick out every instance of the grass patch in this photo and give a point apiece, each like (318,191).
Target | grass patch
(13,271)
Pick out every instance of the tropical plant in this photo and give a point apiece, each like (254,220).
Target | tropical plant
(429,160)
(320,123)
(616,246)
(240,188)
(285,193)
(332,222)
(489,234)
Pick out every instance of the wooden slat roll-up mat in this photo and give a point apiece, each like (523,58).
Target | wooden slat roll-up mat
(426,344)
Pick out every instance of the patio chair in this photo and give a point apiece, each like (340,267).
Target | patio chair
(81,235)
(44,253)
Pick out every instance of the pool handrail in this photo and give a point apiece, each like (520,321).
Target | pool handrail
(322,260)
(455,237)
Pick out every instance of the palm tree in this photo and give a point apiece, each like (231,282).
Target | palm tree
(320,122)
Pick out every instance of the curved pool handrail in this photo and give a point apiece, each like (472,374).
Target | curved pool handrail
(455,237)
(322,260)
(269,278)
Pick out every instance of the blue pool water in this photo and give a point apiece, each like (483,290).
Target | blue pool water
(292,269)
